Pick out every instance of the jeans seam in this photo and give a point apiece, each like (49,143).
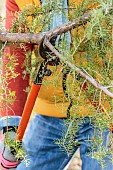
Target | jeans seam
(64,163)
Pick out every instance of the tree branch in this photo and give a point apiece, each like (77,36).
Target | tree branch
(78,70)
(37,37)
(21,37)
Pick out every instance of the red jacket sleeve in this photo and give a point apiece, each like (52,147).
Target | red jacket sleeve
(11,8)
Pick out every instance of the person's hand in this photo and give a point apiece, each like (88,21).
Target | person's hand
(76,162)
(7,159)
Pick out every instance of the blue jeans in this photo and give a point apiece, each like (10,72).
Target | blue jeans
(44,154)
(9,121)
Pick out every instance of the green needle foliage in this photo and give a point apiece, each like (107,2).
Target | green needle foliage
(92,51)
(15,146)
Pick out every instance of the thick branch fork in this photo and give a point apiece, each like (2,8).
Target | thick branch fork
(37,37)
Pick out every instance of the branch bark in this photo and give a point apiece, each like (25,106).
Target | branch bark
(37,37)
